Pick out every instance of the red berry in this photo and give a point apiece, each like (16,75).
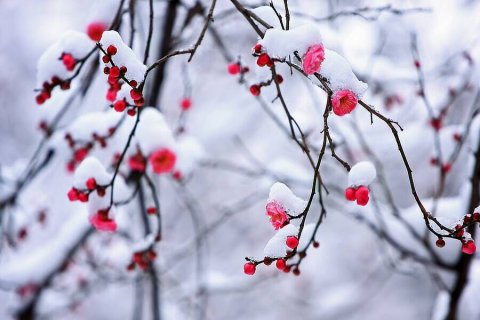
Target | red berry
(316,244)
(257,48)
(234,68)
(433,161)
(123,69)
(249,268)
(22,234)
(186,103)
(114,72)
(111,95)
(120,105)
(278,79)
(255,90)
(95,30)
(68,61)
(133,83)
(136,94)
(280,264)
(91,184)
(263,60)
(436,123)
(476,216)
(106,70)
(151,210)
(267,261)
(100,191)
(177,175)
(83,197)
(350,194)
(40,99)
(362,195)
(447,167)
(296,271)
(292,242)
(440,243)
(131,112)
(457,137)
(139,102)
(106,59)
(469,247)
(416,63)
(65,85)
(111,50)
(73,194)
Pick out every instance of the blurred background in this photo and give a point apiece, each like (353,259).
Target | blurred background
(368,265)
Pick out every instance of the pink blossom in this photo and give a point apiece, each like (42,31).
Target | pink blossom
(344,102)
(276,213)
(469,247)
(162,161)
(102,222)
(313,59)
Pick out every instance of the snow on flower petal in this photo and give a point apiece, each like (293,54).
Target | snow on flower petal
(277,215)
(281,194)
(344,102)
(313,59)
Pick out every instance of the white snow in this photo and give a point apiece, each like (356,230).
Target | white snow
(124,56)
(339,72)
(307,233)
(153,132)
(76,43)
(283,195)
(362,174)
(281,43)
(90,167)
(276,247)
(104,11)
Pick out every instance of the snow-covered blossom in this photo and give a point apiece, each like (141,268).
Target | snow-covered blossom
(344,102)
(277,215)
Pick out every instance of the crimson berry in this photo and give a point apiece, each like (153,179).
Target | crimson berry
(416,63)
(106,70)
(186,103)
(106,59)
(316,244)
(73,194)
(255,90)
(249,268)
(440,243)
(350,194)
(278,79)
(263,60)
(95,30)
(114,72)
(296,271)
(131,112)
(111,95)
(267,261)
(177,175)
(151,210)
(40,99)
(65,85)
(120,105)
(447,167)
(476,216)
(469,247)
(433,161)
(91,184)
(123,69)
(436,123)
(101,191)
(257,48)
(68,61)
(292,242)
(133,83)
(111,50)
(234,68)
(362,195)
(136,94)
(286,269)
(131,267)
(83,197)
(280,264)
(139,102)
(22,234)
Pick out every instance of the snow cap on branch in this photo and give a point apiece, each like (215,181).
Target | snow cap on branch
(362,174)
